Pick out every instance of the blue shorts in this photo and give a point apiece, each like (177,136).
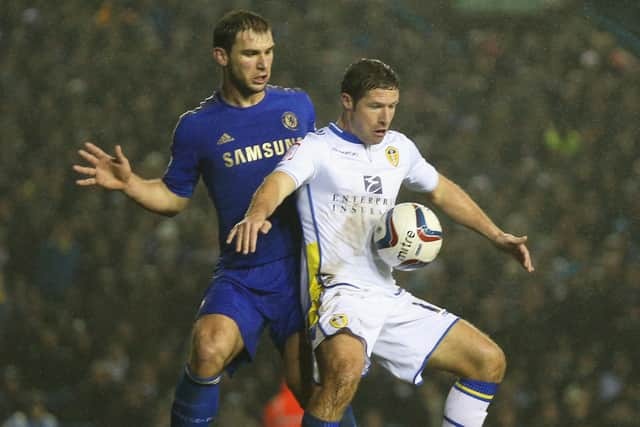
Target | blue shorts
(237,293)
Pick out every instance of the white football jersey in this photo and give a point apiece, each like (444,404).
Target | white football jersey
(344,187)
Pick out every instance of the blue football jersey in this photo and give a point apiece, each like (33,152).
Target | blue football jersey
(233,149)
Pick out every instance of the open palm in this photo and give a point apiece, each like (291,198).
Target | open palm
(105,170)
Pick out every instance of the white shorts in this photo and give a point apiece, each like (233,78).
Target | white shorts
(400,330)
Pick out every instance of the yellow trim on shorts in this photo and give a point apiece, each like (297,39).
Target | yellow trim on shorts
(313,267)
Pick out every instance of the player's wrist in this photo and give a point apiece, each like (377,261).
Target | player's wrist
(496,236)
(256,215)
(130,183)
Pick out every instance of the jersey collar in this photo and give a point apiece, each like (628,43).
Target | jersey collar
(217,95)
(347,136)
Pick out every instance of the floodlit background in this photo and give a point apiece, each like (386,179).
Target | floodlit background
(532,106)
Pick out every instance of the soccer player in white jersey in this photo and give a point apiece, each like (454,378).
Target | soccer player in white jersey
(347,175)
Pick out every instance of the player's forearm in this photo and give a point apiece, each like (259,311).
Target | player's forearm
(271,193)
(153,195)
(460,207)
(265,201)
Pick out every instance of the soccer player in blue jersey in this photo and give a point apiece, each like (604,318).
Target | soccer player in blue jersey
(232,140)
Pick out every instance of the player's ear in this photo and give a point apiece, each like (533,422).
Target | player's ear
(220,56)
(347,101)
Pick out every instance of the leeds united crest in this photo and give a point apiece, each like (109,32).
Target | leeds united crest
(393,155)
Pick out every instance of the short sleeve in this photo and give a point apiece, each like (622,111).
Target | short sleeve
(422,176)
(182,173)
(311,124)
(299,161)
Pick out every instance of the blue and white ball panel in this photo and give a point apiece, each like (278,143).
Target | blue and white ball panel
(400,330)
(233,293)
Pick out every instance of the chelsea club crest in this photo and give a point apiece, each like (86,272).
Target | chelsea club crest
(289,120)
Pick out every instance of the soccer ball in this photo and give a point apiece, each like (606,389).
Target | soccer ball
(408,236)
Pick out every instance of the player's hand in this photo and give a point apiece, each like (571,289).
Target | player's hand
(516,246)
(246,233)
(104,170)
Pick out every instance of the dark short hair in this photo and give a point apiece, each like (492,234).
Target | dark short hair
(368,74)
(234,22)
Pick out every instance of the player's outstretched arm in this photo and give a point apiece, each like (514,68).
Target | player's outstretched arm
(460,207)
(271,193)
(114,173)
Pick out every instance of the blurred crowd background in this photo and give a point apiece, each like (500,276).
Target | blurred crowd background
(534,113)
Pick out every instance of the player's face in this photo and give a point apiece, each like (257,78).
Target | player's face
(249,62)
(371,116)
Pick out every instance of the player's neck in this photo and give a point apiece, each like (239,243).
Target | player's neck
(344,123)
(232,96)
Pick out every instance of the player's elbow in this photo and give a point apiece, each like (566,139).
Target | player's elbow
(169,213)
(436,197)
(444,190)
(175,204)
